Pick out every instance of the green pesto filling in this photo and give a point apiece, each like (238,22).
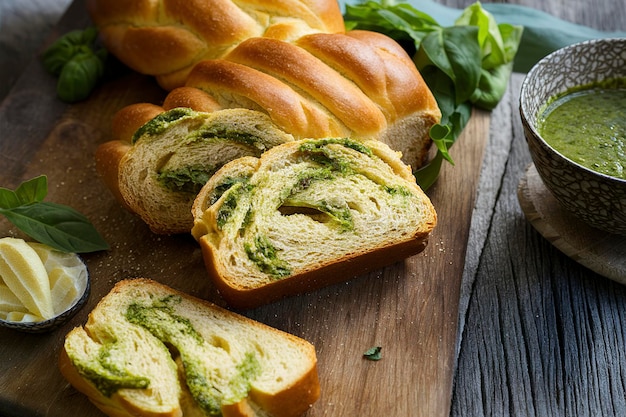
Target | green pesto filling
(105,375)
(210,397)
(226,210)
(397,190)
(308,177)
(162,122)
(319,153)
(265,257)
(225,185)
(317,145)
(188,179)
(340,215)
(162,322)
(226,133)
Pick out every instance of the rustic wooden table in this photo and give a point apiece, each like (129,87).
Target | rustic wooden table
(539,334)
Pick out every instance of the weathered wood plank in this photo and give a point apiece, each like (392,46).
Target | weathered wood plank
(541,335)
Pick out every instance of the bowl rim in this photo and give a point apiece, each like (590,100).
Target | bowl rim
(524,111)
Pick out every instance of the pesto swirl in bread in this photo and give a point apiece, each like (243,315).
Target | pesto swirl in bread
(307,214)
(171,157)
(149,350)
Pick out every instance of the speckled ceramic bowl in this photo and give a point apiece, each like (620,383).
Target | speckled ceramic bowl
(597,199)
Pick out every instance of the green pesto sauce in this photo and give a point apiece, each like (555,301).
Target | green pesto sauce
(397,190)
(312,145)
(189,179)
(105,375)
(161,320)
(211,397)
(341,216)
(226,210)
(308,177)
(588,126)
(225,185)
(207,390)
(321,154)
(161,122)
(214,132)
(265,256)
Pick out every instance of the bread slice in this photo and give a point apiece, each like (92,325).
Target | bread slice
(173,155)
(307,214)
(149,350)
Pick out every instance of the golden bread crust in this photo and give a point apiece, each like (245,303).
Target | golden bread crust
(237,85)
(166,38)
(192,98)
(108,157)
(127,120)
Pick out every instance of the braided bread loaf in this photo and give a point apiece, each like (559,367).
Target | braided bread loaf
(358,84)
(289,60)
(166,38)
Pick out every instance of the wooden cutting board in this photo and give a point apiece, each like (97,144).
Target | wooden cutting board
(410,308)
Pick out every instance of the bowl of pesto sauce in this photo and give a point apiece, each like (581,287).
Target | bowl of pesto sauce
(573,111)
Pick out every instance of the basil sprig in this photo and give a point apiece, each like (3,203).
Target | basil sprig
(465,65)
(78,62)
(55,225)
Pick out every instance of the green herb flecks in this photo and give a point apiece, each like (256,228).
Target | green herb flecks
(161,320)
(464,65)
(55,225)
(397,190)
(189,179)
(317,145)
(265,256)
(306,178)
(162,122)
(225,185)
(231,199)
(339,215)
(106,375)
(208,385)
(373,353)
(227,133)
(319,152)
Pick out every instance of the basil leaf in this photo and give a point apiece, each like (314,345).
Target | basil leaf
(56,225)
(33,190)
(373,354)
(427,175)
(61,51)
(455,51)
(9,199)
(78,63)
(79,76)
(492,86)
(464,64)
